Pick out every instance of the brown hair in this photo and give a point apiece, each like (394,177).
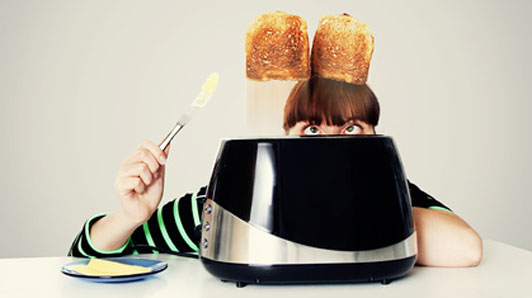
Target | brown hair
(334,101)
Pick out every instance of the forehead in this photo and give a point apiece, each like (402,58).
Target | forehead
(324,122)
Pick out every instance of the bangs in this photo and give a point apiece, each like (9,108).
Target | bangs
(334,102)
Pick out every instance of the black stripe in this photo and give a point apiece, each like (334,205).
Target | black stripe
(86,247)
(200,201)
(202,191)
(423,199)
(155,231)
(187,219)
(74,251)
(199,204)
(138,237)
(176,236)
(83,237)
(171,227)
(201,195)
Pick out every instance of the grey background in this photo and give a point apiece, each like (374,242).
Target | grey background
(82,83)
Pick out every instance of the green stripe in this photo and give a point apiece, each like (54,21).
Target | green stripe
(164,231)
(439,208)
(148,236)
(135,252)
(88,236)
(82,251)
(182,229)
(195,213)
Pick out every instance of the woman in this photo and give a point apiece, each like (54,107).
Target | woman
(322,106)
(314,107)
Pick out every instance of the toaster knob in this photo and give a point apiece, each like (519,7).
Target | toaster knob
(208,209)
(207,226)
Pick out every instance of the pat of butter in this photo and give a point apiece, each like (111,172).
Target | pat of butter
(99,267)
(212,82)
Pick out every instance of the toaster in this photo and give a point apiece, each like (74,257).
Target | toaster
(291,210)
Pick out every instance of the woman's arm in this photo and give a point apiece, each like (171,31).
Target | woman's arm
(172,227)
(112,231)
(445,240)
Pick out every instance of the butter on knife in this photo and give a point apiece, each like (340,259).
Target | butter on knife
(100,267)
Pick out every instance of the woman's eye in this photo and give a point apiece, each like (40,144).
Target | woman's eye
(352,130)
(311,130)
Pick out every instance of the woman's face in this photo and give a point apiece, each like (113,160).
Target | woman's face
(351,127)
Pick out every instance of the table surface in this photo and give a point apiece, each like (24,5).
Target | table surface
(505,271)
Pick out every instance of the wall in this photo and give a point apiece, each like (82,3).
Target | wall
(82,83)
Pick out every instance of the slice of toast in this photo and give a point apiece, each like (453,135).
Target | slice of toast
(342,49)
(277,48)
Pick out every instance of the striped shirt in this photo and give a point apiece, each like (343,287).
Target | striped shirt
(172,227)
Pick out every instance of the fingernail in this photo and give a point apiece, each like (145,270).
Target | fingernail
(162,159)
(156,176)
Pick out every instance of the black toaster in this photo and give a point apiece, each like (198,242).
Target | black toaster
(291,210)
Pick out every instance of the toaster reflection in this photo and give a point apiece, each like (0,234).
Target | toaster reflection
(239,242)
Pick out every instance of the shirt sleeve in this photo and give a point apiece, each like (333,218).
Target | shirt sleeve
(171,227)
(424,200)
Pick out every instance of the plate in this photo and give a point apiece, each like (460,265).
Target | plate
(155,265)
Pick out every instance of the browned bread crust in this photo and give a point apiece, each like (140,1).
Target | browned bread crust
(342,49)
(277,48)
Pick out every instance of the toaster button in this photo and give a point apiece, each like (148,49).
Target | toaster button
(208,209)
(207,226)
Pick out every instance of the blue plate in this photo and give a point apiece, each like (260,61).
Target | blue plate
(155,265)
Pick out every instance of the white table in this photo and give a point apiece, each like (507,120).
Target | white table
(505,271)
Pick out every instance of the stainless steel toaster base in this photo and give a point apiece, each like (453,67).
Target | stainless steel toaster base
(228,239)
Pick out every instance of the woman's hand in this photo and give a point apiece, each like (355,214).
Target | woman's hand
(139,185)
(140,182)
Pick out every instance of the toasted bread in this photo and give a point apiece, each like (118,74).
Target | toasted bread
(342,49)
(277,48)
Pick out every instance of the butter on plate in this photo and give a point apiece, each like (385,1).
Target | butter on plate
(100,267)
